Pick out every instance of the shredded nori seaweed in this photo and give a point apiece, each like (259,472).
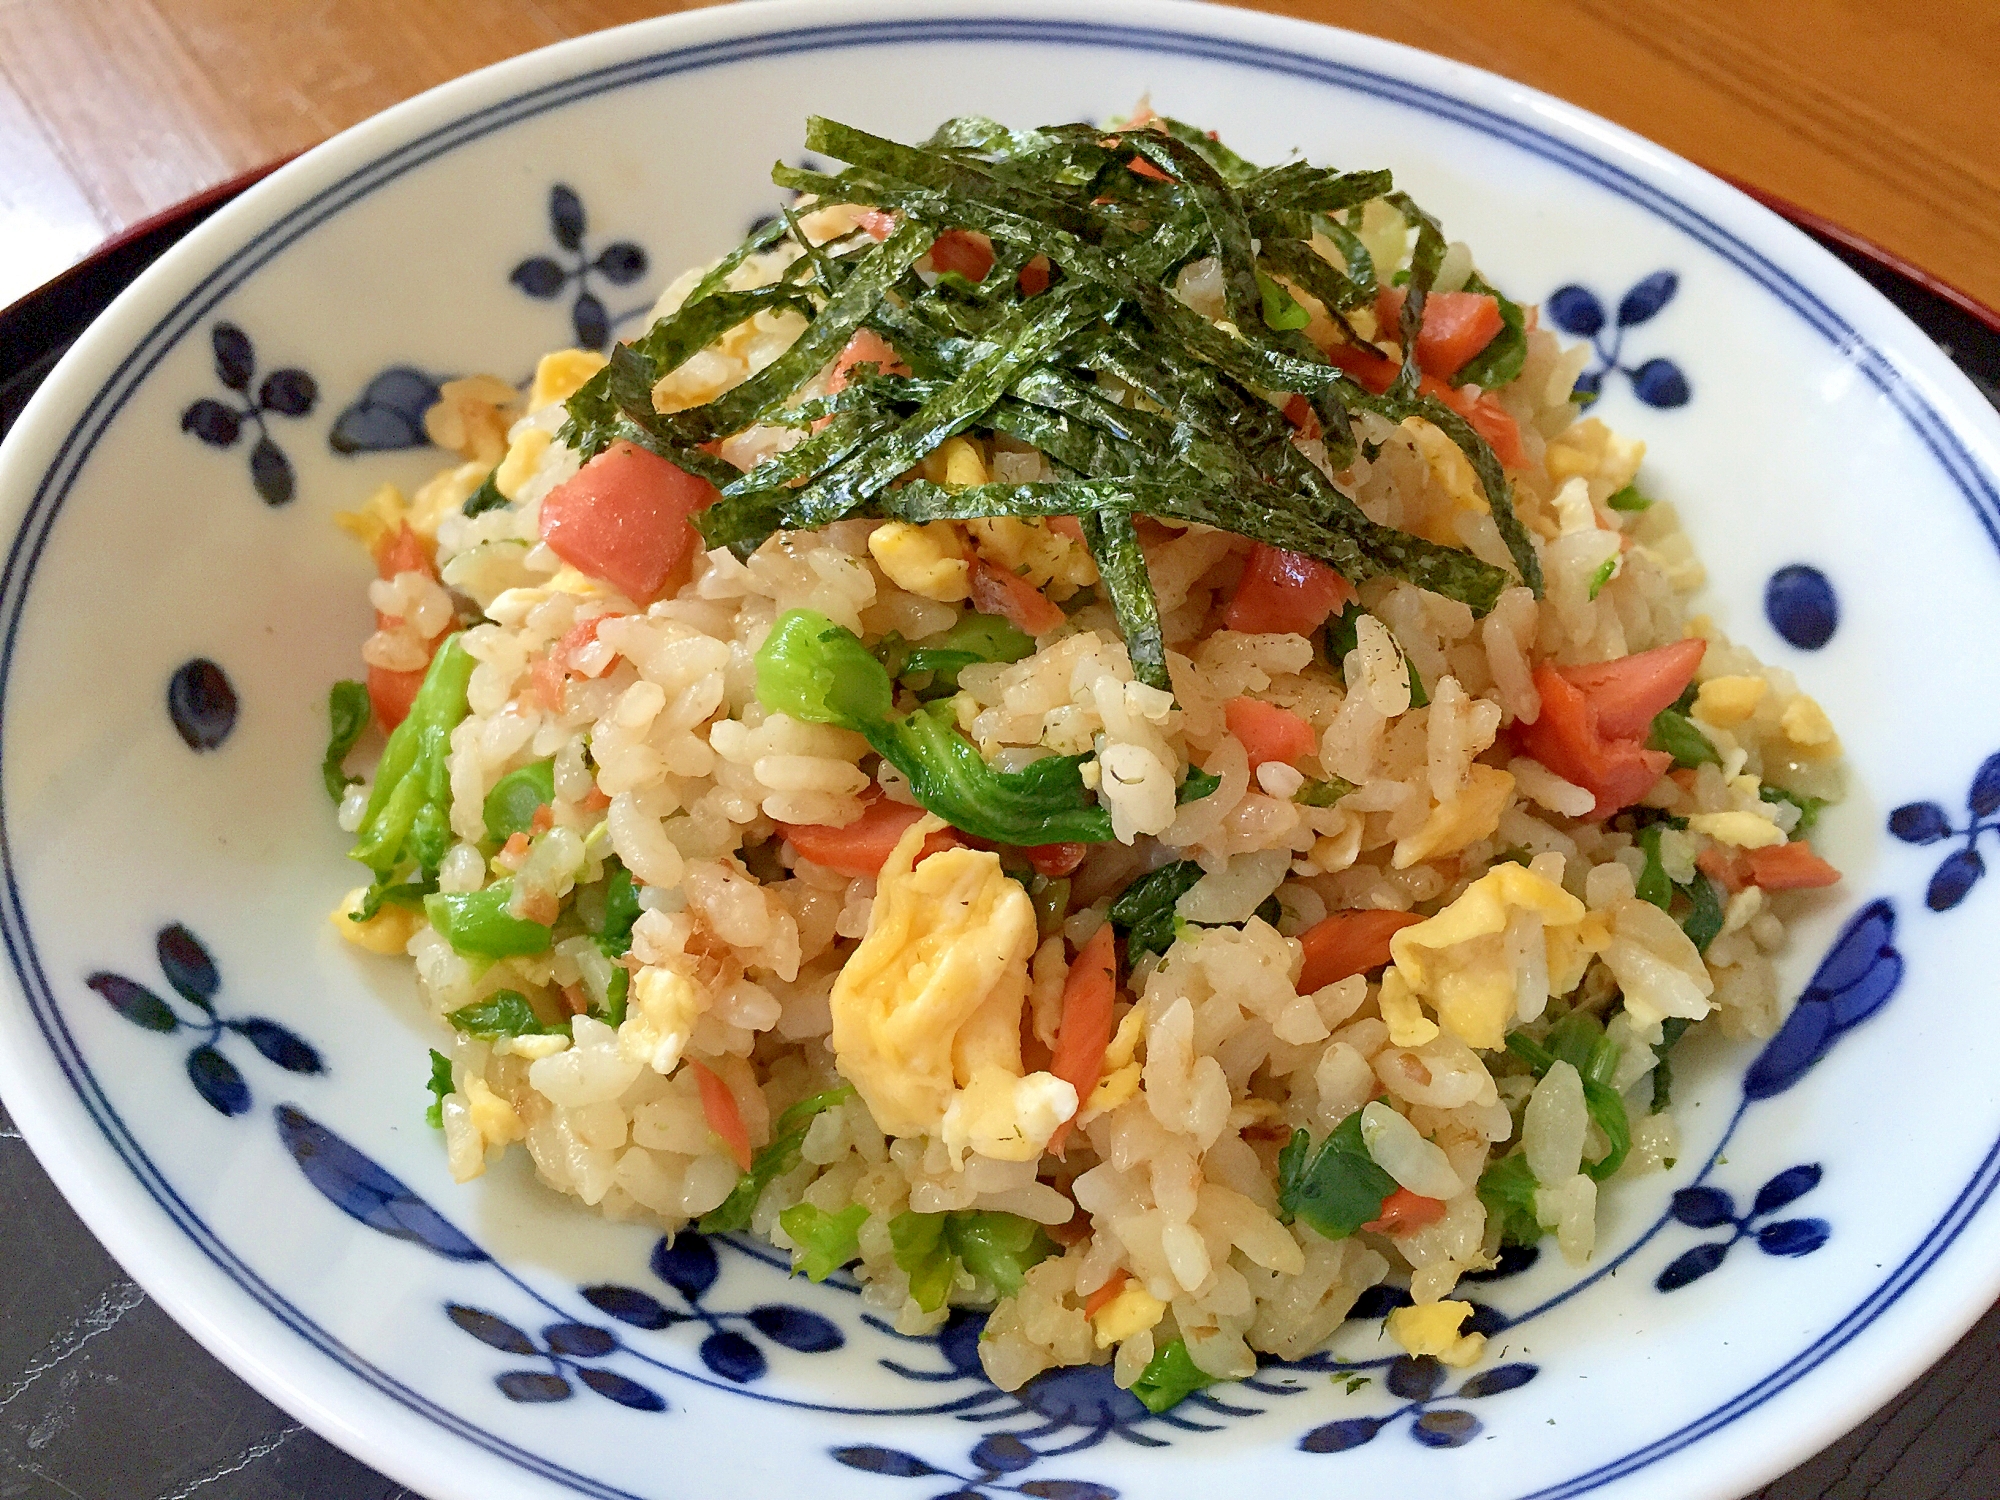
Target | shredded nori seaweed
(1140,404)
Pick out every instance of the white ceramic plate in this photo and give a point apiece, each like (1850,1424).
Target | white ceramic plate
(232,1098)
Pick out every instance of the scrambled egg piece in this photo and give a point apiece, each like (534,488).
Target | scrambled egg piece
(1746,830)
(923,560)
(1809,729)
(388,931)
(1457,961)
(1726,702)
(1433,1330)
(927,1010)
(1449,466)
(380,515)
(561,375)
(1472,815)
(471,417)
(1590,450)
(664,1006)
(1118,1079)
(518,467)
(1132,1311)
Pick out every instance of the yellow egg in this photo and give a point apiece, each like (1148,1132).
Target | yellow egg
(927,1010)
(1457,960)
(927,561)
(560,375)
(388,931)
(1470,816)
(1433,1330)
(1133,1310)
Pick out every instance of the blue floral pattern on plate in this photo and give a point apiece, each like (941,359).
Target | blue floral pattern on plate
(545,277)
(282,393)
(1928,823)
(1577,310)
(192,975)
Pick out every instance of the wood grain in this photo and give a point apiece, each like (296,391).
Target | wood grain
(1877,116)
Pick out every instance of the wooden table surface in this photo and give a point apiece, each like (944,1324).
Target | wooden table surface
(1877,116)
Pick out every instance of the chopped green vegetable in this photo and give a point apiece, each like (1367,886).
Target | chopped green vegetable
(393,893)
(818,671)
(408,818)
(348,712)
(1335,1189)
(1507,1188)
(1604,574)
(1281,308)
(826,1241)
(1809,807)
(1196,785)
(440,1086)
(1652,884)
(1675,733)
(1672,1029)
(1322,793)
(1051,898)
(1501,360)
(788,1136)
(1170,1378)
(1418,697)
(1629,499)
(1343,634)
(998,1248)
(516,798)
(1579,1040)
(976,638)
(1144,910)
(922,1253)
(477,924)
(1703,924)
(486,497)
(503,1013)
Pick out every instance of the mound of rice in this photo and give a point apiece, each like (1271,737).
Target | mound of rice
(1164,1210)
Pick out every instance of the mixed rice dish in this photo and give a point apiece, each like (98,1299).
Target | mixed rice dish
(1079,728)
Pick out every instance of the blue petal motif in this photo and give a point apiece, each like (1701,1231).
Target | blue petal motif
(187,965)
(1575,310)
(1954,880)
(215,1078)
(1415,1377)
(1984,798)
(796,1329)
(1691,1266)
(1063,1489)
(1787,1187)
(290,393)
(1079,1396)
(533,1386)
(733,1357)
(591,322)
(135,1002)
(884,1461)
(388,414)
(1855,979)
(566,218)
(1338,1437)
(629,1305)
(1445,1429)
(365,1192)
(1794,1236)
(212,423)
(494,1332)
(1800,604)
(615,1387)
(271,473)
(201,703)
(1919,823)
(1703,1207)
(235,356)
(1378,1302)
(1647,298)
(578,1340)
(622,263)
(279,1045)
(1003,1453)
(687,1264)
(1497,1381)
(539,277)
(1660,383)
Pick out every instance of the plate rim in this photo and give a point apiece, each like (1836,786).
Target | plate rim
(1018,21)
